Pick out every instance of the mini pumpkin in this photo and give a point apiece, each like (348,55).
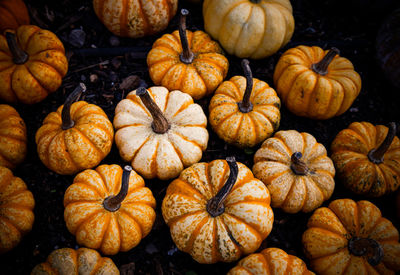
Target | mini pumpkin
(367,158)
(135,18)
(75,137)
(13,139)
(271,261)
(83,261)
(109,209)
(315,83)
(32,64)
(217,211)
(13,13)
(160,132)
(296,170)
(187,61)
(244,110)
(16,210)
(351,237)
(249,29)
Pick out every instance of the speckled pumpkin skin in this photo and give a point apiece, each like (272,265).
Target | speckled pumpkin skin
(246,222)
(13,141)
(291,192)
(83,146)
(309,94)
(83,261)
(13,13)
(198,79)
(326,240)
(270,261)
(16,210)
(244,129)
(96,227)
(41,75)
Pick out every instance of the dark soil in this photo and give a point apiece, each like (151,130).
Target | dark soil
(349,25)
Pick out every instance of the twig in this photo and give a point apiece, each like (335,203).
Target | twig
(139,52)
(106,62)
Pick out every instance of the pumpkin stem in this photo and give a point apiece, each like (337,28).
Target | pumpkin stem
(67,122)
(364,246)
(298,166)
(215,205)
(19,56)
(113,203)
(255,1)
(187,55)
(245,105)
(160,124)
(322,66)
(376,155)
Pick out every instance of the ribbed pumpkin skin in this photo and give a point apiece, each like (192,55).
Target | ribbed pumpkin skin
(350,154)
(13,13)
(135,18)
(329,229)
(291,192)
(198,79)
(13,141)
(83,261)
(83,146)
(41,75)
(271,261)
(309,94)
(97,228)
(244,129)
(247,219)
(154,155)
(247,29)
(16,210)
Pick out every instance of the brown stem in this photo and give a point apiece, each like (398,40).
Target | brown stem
(255,1)
(376,155)
(364,246)
(245,105)
(322,66)
(19,56)
(187,55)
(215,205)
(113,203)
(67,122)
(298,166)
(160,124)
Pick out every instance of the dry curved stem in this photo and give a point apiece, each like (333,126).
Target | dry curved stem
(298,166)
(67,121)
(376,155)
(366,247)
(113,203)
(187,55)
(245,105)
(322,66)
(19,56)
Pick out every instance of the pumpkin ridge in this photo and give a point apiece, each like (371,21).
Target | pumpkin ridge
(249,225)
(10,196)
(266,23)
(13,136)
(99,126)
(142,230)
(372,229)
(177,151)
(66,155)
(123,20)
(79,112)
(235,243)
(391,169)
(226,14)
(385,177)
(138,149)
(14,93)
(174,220)
(224,119)
(298,73)
(103,181)
(215,249)
(189,244)
(282,204)
(252,201)
(48,65)
(153,164)
(37,80)
(89,141)
(146,24)
(87,219)
(108,217)
(25,47)
(186,139)
(200,57)
(9,223)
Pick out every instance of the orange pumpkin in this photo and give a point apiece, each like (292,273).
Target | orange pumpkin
(271,261)
(135,18)
(32,64)
(76,137)
(16,210)
(351,237)
(217,211)
(367,158)
(12,137)
(13,13)
(187,61)
(108,215)
(83,261)
(315,83)
(244,110)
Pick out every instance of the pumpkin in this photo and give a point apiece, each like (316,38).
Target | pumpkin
(109,209)
(160,132)
(187,61)
(249,29)
(349,237)
(244,110)
(273,261)
(217,211)
(296,170)
(367,158)
(13,139)
(83,261)
(32,64)
(315,83)
(16,210)
(75,137)
(13,13)
(135,18)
